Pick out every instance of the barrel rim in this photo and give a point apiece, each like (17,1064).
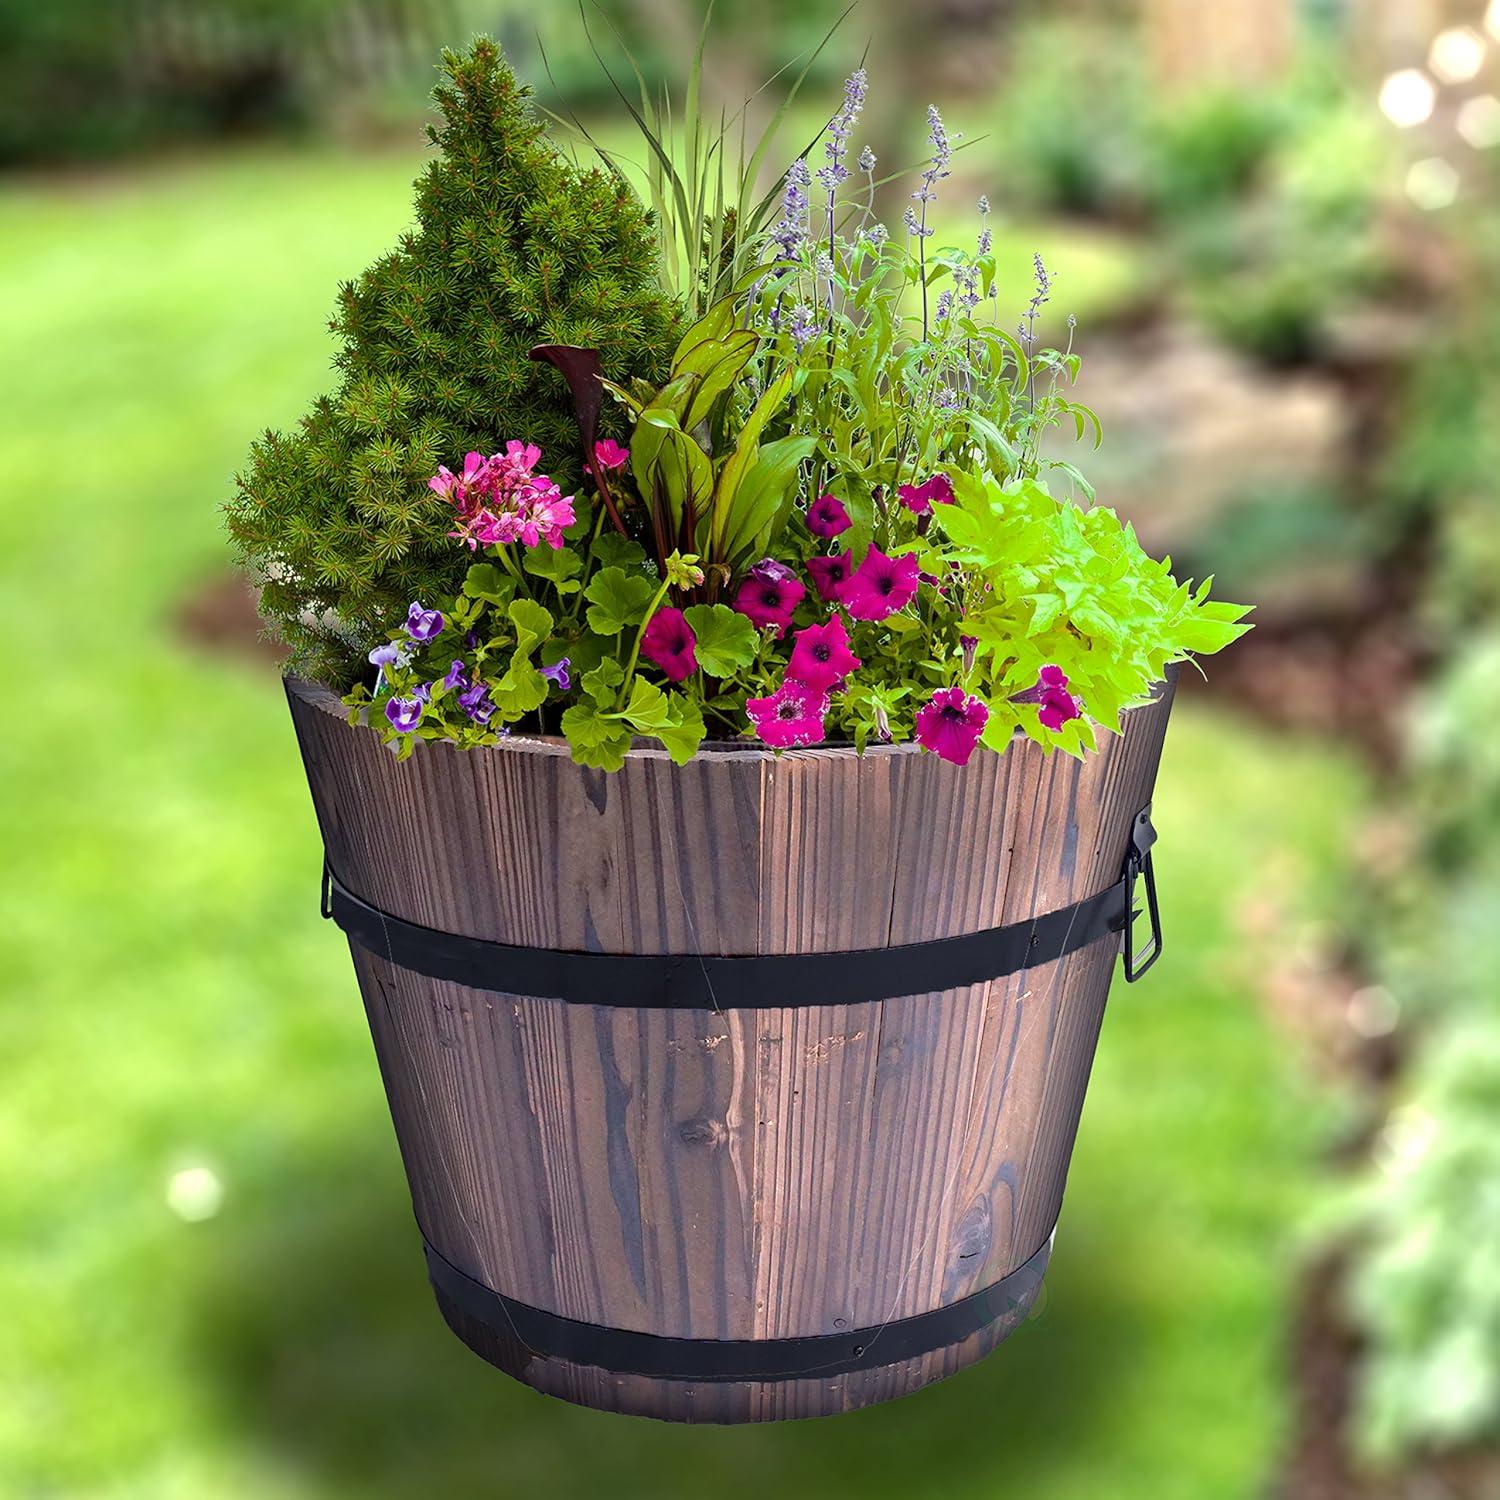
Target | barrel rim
(317,695)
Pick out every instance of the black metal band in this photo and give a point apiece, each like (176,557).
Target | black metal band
(625,1351)
(752,982)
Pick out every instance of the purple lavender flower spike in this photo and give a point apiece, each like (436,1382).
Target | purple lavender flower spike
(404,714)
(840,128)
(803,324)
(790,234)
(558,673)
(423,624)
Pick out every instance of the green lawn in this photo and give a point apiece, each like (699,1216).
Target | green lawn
(171,999)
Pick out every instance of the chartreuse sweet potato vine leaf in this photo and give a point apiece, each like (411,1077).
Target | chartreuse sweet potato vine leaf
(1068,587)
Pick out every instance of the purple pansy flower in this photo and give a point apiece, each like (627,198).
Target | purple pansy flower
(404,714)
(423,624)
(475,701)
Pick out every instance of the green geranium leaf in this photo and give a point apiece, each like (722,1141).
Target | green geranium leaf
(615,551)
(600,683)
(616,600)
(493,585)
(676,721)
(726,639)
(559,566)
(682,736)
(594,740)
(521,690)
(648,709)
(533,624)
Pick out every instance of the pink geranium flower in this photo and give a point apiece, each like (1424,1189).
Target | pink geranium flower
(950,725)
(792,715)
(463,490)
(821,658)
(880,585)
(669,643)
(829,574)
(1055,704)
(769,595)
(918,498)
(608,454)
(826,516)
(514,469)
(544,514)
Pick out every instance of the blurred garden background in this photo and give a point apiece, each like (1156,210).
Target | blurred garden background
(1278,1270)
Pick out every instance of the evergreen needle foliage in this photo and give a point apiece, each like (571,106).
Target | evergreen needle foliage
(514,246)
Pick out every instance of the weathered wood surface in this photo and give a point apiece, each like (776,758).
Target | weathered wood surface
(735,1174)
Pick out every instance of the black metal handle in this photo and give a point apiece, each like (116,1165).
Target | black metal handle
(1137,865)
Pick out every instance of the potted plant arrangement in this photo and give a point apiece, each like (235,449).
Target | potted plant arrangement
(685,630)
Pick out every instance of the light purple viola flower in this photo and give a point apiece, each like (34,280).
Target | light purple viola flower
(404,714)
(423,624)
(390,654)
(557,673)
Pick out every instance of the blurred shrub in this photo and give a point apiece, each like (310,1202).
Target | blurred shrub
(1426,1282)
(1427,1285)
(1068,129)
(1267,533)
(1206,151)
(1267,272)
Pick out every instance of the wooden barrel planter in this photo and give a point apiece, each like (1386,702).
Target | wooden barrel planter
(741,1090)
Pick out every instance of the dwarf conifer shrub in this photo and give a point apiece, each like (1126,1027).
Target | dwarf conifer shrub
(514,246)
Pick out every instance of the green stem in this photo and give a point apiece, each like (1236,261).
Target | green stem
(640,635)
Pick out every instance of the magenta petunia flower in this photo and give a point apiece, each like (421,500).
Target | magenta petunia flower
(557,674)
(821,658)
(826,516)
(423,624)
(404,713)
(608,454)
(829,574)
(770,595)
(1056,705)
(880,585)
(669,643)
(950,725)
(919,498)
(792,715)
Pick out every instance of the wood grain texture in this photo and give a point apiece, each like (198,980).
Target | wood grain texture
(731,1174)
